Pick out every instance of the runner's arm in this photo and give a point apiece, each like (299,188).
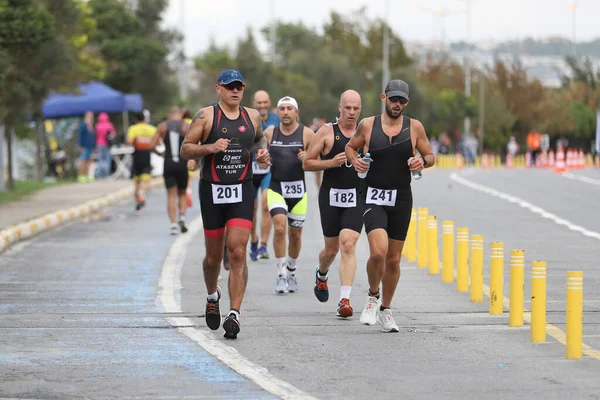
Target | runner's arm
(260,141)
(191,148)
(161,131)
(356,142)
(423,145)
(312,161)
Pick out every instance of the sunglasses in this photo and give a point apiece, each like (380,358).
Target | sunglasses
(395,99)
(234,85)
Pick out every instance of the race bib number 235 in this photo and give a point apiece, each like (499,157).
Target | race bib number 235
(292,190)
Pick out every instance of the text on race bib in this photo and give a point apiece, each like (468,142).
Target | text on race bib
(342,197)
(381,197)
(292,190)
(227,194)
(256,169)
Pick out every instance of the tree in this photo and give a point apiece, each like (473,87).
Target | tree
(135,49)
(61,62)
(24,29)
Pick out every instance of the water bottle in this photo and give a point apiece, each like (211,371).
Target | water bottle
(362,175)
(416,175)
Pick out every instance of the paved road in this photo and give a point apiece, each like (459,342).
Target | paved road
(80,316)
(447,347)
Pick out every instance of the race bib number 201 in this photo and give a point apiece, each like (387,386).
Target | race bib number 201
(227,194)
(381,197)
(342,198)
(292,190)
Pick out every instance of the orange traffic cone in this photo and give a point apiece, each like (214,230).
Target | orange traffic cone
(560,161)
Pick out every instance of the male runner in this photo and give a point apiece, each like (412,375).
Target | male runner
(140,135)
(225,135)
(341,216)
(287,190)
(186,115)
(175,173)
(261,179)
(391,139)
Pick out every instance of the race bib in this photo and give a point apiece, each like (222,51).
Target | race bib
(256,169)
(381,197)
(292,190)
(342,197)
(227,194)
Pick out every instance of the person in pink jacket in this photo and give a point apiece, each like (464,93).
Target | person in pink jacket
(104,131)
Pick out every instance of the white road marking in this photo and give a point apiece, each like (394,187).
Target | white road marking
(525,204)
(581,178)
(169,295)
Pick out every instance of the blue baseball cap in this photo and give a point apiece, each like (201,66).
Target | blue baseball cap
(230,75)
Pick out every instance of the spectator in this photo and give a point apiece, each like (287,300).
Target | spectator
(512,147)
(87,142)
(534,143)
(105,131)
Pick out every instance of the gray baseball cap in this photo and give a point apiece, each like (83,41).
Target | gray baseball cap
(397,87)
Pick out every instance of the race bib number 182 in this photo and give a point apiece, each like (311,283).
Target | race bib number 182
(227,194)
(292,190)
(342,198)
(381,197)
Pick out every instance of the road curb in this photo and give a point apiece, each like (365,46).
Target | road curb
(27,229)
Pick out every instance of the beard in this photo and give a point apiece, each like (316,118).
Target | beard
(390,112)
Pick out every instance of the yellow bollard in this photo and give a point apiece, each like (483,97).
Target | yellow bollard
(538,301)
(432,246)
(517,283)
(422,237)
(476,268)
(496,278)
(447,251)
(410,245)
(574,314)
(462,260)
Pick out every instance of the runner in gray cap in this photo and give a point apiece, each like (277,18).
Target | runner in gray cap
(391,140)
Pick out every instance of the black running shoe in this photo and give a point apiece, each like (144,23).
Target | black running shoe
(182,226)
(321,288)
(213,313)
(231,326)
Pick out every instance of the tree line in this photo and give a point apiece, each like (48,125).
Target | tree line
(52,45)
(316,66)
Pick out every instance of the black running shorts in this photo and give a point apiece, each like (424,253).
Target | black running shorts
(393,218)
(176,175)
(335,218)
(225,205)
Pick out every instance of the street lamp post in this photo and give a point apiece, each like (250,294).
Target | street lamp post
(573,7)
(385,76)
(468,64)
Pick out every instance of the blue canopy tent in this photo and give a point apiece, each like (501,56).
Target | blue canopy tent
(134,102)
(95,97)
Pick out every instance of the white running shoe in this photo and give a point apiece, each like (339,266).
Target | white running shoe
(369,313)
(292,283)
(281,285)
(385,319)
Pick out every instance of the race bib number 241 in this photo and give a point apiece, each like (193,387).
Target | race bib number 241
(381,197)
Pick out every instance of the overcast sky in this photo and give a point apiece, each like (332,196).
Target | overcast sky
(226,20)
